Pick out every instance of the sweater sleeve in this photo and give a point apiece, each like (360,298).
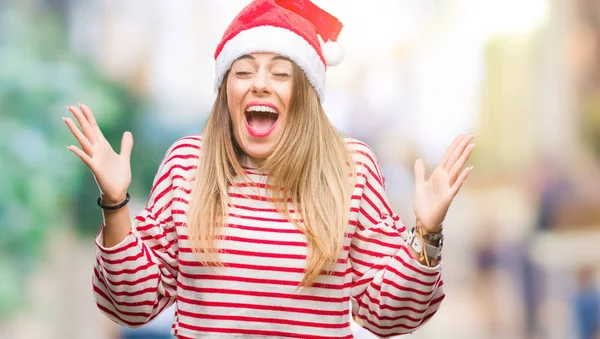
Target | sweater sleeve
(135,280)
(392,293)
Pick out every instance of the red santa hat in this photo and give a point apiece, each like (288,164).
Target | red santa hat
(287,27)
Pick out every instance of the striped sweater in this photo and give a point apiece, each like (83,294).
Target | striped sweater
(376,281)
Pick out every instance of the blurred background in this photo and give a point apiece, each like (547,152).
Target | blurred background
(522,248)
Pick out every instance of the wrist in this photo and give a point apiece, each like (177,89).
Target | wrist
(424,252)
(429,229)
(431,235)
(113,205)
(112,200)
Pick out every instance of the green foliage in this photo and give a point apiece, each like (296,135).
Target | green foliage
(44,186)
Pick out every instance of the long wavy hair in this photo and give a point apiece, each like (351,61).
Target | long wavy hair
(311,168)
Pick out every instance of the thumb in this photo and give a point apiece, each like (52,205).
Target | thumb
(126,144)
(420,172)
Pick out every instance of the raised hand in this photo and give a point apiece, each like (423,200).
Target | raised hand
(434,195)
(112,171)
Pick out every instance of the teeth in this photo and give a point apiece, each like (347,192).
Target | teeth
(261,109)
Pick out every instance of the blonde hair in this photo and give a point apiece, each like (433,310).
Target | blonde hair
(311,167)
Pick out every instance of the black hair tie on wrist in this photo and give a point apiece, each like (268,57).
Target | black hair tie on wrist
(115,207)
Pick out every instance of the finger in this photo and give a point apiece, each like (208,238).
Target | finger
(126,144)
(81,138)
(450,150)
(461,179)
(455,170)
(420,171)
(81,154)
(85,125)
(458,151)
(90,117)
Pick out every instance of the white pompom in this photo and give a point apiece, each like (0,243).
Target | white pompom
(333,52)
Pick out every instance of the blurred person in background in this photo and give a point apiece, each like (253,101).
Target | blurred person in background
(586,304)
(298,237)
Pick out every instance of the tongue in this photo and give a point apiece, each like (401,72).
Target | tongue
(260,121)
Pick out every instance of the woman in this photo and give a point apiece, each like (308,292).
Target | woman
(270,222)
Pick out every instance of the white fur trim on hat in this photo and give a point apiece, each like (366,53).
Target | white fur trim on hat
(275,40)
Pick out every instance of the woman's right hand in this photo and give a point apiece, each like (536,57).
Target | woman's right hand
(112,171)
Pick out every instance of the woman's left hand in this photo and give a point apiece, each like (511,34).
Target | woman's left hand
(434,195)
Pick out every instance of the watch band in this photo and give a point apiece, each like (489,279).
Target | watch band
(433,237)
(414,241)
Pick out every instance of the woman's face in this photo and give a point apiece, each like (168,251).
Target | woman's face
(259,89)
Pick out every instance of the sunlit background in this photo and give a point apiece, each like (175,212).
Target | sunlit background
(522,248)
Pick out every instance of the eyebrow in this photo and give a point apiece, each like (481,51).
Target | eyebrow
(277,57)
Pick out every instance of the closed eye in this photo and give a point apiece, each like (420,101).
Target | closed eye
(242,73)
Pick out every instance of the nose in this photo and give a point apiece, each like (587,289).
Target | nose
(261,84)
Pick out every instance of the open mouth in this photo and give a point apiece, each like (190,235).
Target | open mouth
(261,118)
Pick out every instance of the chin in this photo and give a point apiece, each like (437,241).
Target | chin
(259,153)
(257,149)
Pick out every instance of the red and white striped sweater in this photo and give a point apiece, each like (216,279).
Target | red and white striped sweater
(255,294)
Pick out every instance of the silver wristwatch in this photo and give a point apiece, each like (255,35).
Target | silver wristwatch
(433,252)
